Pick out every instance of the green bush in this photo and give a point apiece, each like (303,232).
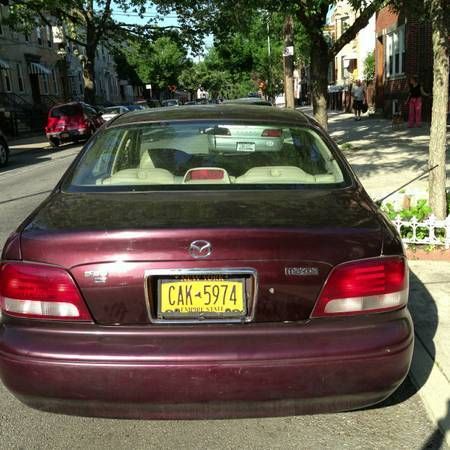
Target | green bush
(421,211)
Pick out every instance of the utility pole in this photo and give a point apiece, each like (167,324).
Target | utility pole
(288,58)
(269,61)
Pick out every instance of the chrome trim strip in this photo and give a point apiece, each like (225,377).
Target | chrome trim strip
(251,303)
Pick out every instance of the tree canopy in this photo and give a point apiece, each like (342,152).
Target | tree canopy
(87,23)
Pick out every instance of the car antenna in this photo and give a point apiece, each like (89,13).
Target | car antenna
(381,200)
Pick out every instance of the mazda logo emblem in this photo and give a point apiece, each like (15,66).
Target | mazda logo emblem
(200,249)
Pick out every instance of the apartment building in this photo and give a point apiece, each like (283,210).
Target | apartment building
(40,69)
(349,62)
(29,69)
(403,48)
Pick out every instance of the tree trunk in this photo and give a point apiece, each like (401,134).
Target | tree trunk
(437,178)
(319,78)
(89,75)
(288,30)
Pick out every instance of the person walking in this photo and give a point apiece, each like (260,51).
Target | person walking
(359,98)
(414,102)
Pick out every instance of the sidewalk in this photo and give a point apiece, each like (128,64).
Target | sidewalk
(429,303)
(22,145)
(384,159)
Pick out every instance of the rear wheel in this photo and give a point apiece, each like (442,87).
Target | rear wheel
(4,153)
(54,142)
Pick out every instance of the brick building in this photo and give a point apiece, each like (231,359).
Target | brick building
(349,62)
(403,48)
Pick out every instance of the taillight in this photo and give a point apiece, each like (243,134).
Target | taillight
(271,133)
(366,286)
(39,291)
(205,174)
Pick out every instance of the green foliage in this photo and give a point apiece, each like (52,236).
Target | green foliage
(158,63)
(369,67)
(237,62)
(421,211)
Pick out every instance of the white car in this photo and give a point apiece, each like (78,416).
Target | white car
(113,111)
(280,101)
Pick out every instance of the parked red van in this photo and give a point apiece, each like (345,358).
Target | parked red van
(72,122)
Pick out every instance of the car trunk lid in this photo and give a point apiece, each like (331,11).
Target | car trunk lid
(112,244)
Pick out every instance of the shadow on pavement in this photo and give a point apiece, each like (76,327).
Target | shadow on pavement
(436,440)
(31,156)
(422,307)
(382,149)
(424,311)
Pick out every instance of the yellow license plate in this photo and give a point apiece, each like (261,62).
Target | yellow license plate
(202,298)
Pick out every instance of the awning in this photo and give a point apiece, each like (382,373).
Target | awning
(38,69)
(4,64)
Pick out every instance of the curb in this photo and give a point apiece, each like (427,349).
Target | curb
(433,388)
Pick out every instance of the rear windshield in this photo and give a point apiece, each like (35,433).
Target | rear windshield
(207,155)
(66,110)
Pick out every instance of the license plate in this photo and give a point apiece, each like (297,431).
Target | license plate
(197,299)
(245,146)
(64,135)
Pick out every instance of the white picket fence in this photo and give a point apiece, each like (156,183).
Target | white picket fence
(429,227)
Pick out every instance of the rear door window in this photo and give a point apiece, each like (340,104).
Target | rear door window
(65,111)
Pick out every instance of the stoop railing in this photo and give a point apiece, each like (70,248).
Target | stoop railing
(430,231)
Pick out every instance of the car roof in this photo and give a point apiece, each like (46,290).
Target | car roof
(213,112)
(250,101)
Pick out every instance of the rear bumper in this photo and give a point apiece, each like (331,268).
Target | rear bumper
(68,135)
(207,371)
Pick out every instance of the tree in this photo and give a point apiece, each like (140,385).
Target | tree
(237,63)
(288,31)
(369,67)
(226,16)
(436,13)
(85,23)
(439,12)
(158,63)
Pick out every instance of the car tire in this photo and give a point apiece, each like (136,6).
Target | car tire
(4,153)
(55,142)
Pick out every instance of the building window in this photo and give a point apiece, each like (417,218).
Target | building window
(2,30)
(54,81)
(7,86)
(49,36)
(20,78)
(44,83)
(395,52)
(345,24)
(39,35)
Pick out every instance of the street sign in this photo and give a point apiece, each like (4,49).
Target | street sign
(148,86)
(288,51)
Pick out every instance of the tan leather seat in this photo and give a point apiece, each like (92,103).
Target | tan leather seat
(146,161)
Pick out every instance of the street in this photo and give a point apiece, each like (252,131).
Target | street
(401,422)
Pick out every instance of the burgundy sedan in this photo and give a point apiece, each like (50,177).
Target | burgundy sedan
(210,261)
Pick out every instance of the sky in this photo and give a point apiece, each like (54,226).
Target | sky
(151,13)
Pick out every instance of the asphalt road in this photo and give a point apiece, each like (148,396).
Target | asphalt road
(399,423)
